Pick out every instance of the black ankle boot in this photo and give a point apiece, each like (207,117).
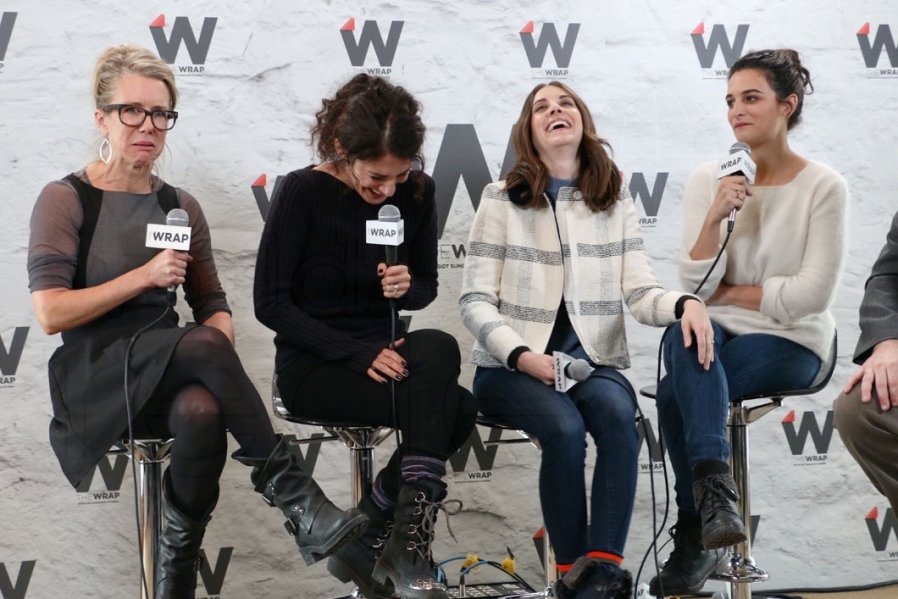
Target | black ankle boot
(689,565)
(318,526)
(407,564)
(715,495)
(355,560)
(591,578)
(179,549)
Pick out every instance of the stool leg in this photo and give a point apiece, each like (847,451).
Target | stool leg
(549,559)
(740,571)
(361,466)
(148,457)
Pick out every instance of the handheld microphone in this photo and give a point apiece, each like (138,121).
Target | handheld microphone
(389,213)
(388,230)
(569,371)
(739,163)
(174,235)
(176,217)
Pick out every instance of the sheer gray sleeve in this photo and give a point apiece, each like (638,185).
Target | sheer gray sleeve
(54,241)
(202,289)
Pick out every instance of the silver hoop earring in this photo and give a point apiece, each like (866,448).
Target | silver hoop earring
(105,144)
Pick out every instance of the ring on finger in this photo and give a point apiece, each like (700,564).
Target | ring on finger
(395,288)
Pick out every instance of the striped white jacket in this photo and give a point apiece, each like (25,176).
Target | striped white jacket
(520,261)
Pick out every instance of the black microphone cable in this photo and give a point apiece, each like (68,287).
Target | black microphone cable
(657,532)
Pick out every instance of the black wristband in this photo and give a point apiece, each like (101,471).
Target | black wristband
(678,309)
(514,355)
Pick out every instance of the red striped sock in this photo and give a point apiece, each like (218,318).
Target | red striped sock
(564,568)
(611,558)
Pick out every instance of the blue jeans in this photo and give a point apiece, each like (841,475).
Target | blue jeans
(693,403)
(603,406)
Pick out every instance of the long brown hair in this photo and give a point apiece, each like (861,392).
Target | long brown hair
(598,180)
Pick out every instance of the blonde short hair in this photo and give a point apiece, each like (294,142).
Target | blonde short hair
(118,61)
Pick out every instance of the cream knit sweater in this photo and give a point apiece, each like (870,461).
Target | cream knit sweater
(789,240)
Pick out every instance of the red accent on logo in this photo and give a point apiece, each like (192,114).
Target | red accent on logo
(865,30)
(349,25)
(159,22)
(262,181)
(873,515)
(528,28)
(700,29)
(790,417)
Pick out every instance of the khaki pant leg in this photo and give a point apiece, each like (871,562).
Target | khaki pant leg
(871,437)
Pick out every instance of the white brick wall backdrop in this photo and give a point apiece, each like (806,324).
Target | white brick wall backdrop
(245,112)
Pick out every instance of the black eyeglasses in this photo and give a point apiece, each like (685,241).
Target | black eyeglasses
(134,116)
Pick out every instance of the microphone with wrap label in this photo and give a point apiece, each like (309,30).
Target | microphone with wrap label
(569,371)
(176,217)
(738,163)
(389,213)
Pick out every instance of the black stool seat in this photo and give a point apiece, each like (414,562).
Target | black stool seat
(360,438)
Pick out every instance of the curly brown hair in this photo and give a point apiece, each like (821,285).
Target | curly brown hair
(370,117)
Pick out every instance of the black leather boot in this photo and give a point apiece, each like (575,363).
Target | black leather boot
(318,526)
(689,565)
(355,560)
(715,495)
(591,578)
(179,549)
(407,564)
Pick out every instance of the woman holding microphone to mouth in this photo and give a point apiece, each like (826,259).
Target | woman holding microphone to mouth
(768,297)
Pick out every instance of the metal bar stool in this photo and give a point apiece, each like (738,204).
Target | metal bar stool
(549,563)
(740,569)
(147,456)
(361,439)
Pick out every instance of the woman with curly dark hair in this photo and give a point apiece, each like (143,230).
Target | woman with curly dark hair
(330,296)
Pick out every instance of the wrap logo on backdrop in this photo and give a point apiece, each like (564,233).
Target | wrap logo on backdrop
(871,51)
(9,359)
(484,455)
(809,427)
(650,200)
(385,51)
(548,37)
(112,475)
(7,21)
(718,43)
(881,535)
(261,195)
(647,436)
(213,576)
(182,34)
(8,590)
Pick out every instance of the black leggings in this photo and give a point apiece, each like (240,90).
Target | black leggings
(204,393)
(435,414)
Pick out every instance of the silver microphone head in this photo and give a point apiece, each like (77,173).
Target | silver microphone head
(177,217)
(388,213)
(740,146)
(579,370)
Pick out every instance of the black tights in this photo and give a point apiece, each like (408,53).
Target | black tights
(204,393)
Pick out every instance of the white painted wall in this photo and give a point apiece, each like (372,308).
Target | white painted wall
(248,114)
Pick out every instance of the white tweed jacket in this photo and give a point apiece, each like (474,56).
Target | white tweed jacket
(520,261)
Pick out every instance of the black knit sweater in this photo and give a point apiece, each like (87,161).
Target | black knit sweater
(316,283)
